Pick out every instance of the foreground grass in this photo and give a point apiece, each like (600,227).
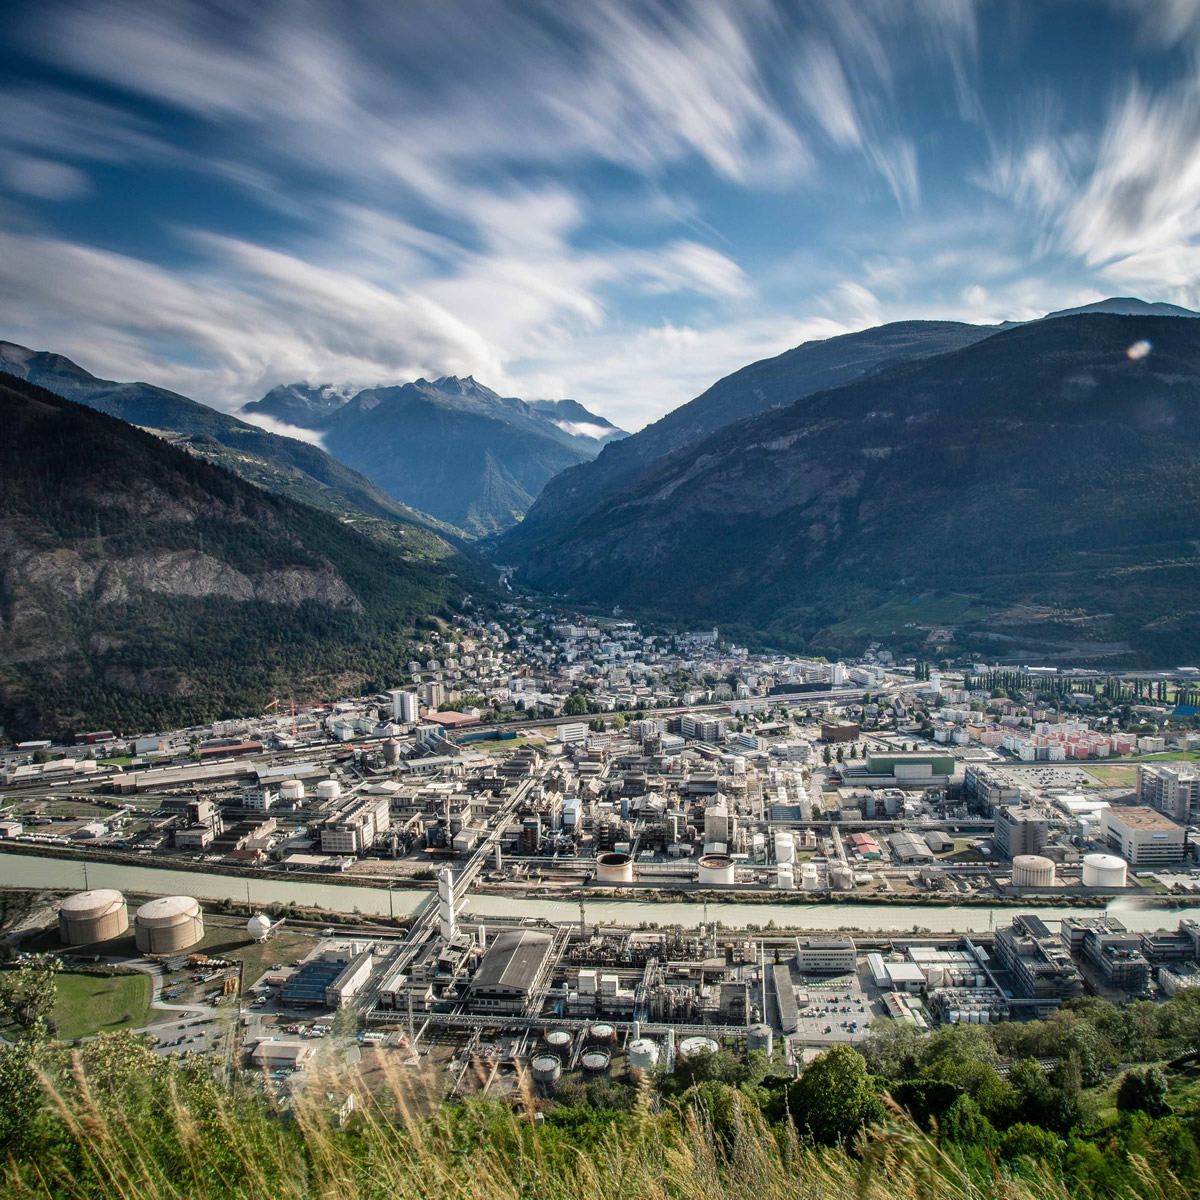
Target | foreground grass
(88,1004)
(118,1134)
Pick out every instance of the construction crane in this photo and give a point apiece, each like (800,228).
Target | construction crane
(275,705)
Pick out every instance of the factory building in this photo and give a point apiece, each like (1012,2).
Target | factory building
(988,790)
(356,827)
(825,956)
(1039,964)
(514,967)
(1172,789)
(1112,950)
(1020,831)
(912,768)
(1144,837)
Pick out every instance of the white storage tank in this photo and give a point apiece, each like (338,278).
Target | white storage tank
(95,916)
(258,927)
(168,925)
(785,877)
(810,877)
(716,870)
(328,789)
(614,868)
(697,1045)
(841,879)
(1032,871)
(785,848)
(1104,871)
(643,1054)
(291,790)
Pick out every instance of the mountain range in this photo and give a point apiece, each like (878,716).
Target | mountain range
(450,447)
(1040,482)
(143,587)
(280,464)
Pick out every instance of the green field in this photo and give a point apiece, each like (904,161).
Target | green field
(1113,776)
(925,609)
(89,1004)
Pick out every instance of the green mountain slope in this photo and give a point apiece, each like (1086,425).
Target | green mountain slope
(141,587)
(292,468)
(1043,466)
(799,372)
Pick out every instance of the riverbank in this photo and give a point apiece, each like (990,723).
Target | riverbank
(33,872)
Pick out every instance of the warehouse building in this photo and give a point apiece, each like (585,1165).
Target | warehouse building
(1144,837)
(511,972)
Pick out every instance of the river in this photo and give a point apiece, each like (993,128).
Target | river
(27,871)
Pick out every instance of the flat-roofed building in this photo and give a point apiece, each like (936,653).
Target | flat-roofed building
(1144,837)
(1020,830)
(826,956)
(1039,963)
(1173,789)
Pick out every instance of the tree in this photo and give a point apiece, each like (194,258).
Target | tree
(1028,1141)
(576,705)
(966,1125)
(1144,1091)
(840,754)
(835,1097)
(826,756)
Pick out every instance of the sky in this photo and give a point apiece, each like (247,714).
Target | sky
(616,202)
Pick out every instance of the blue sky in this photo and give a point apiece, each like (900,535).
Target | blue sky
(618,202)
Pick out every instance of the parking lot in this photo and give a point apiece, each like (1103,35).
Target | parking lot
(839,1009)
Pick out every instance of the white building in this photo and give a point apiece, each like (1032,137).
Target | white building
(1144,837)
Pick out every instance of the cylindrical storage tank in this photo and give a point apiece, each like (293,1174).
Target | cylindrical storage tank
(785,848)
(810,877)
(842,878)
(697,1045)
(258,927)
(716,870)
(1032,871)
(94,916)
(595,1060)
(1104,871)
(558,1041)
(391,751)
(602,1034)
(328,789)
(291,790)
(168,925)
(760,1037)
(614,868)
(643,1054)
(546,1070)
(785,877)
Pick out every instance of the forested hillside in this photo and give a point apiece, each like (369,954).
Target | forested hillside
(141,587)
